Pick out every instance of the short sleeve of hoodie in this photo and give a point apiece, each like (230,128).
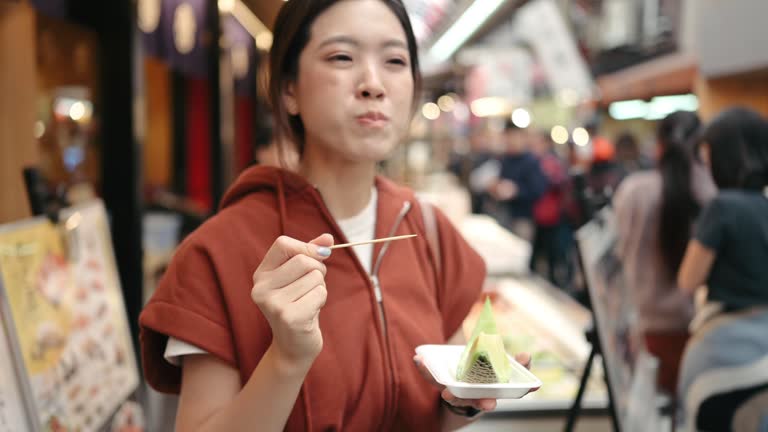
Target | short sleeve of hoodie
(189,306)
(462,276)
(711,225)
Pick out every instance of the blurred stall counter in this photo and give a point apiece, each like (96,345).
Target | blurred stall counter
(503,252)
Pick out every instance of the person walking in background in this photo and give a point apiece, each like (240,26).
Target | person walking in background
(520,183)
(464,165)
(724,375)
(553,238)
(655,211)
(604,175)
(628,154)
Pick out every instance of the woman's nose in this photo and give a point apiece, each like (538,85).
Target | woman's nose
(370,86)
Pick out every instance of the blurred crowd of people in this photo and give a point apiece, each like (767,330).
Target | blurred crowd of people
(691,221)
(543,193)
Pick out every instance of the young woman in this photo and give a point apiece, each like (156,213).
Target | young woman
(724,375)
(655,212)
(257,323)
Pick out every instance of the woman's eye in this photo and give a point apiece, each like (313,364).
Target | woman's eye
(341,58)
(397,61)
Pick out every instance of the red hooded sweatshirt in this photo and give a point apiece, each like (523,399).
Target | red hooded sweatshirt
(364,379)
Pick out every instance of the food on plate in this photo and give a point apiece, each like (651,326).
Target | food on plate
(484,359)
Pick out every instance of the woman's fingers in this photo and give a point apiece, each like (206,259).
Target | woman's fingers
(417,359)
(299,288)
(524,359)
(285,248)
(294,269)
(481,404)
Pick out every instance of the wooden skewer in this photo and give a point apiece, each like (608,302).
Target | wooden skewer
(386,239)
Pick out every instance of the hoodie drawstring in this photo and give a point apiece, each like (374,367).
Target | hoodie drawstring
(281,202)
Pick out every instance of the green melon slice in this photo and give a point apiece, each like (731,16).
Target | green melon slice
(484,359)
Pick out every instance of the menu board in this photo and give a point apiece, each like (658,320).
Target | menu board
(13,414)
(71,328)
(36,284)
(612,304)
(105,337)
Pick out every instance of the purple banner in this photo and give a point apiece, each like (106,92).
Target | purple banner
(182,34)
(151,19)
(242,53)
(52,8)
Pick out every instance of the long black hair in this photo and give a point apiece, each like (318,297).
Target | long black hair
(738,144)
(676,135)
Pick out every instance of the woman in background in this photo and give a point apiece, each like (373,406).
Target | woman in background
(724,376)
(655,211)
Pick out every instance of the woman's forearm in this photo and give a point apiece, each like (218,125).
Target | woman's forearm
(266,400)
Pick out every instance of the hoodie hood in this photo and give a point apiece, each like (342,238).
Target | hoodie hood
(254,179)
(272,180)
(285,187)
(264,179)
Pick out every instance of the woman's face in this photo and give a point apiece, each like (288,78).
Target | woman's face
(354,88)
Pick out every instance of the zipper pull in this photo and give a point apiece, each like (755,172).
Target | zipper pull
(377,289)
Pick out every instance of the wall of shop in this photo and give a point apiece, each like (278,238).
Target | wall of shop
(18,146)
(733,70)
(67,67)
(730,36)
(720,93)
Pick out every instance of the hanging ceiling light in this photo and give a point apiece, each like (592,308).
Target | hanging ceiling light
(472,19)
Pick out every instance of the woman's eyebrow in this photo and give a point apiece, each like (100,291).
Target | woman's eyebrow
(389,43)
(339,39)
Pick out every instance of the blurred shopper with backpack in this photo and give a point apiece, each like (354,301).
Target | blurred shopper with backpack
(553,238)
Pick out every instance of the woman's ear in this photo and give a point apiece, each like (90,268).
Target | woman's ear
(290,100)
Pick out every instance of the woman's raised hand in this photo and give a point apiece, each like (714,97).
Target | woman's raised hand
(289,289)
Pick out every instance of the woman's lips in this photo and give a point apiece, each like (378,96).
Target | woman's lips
(372,119)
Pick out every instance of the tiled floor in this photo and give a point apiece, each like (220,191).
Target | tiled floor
(162,411)
(555,424)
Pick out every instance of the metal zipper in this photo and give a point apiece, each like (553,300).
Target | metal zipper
(375,270)
(376,287)
(375,283)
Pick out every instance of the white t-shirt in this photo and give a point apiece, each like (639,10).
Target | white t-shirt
(360,227)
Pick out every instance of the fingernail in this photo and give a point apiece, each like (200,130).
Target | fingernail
(323,251)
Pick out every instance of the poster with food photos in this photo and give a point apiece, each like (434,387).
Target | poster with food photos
(614,308)
(71,328)
(36,284)
(99,309)
(13,406)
